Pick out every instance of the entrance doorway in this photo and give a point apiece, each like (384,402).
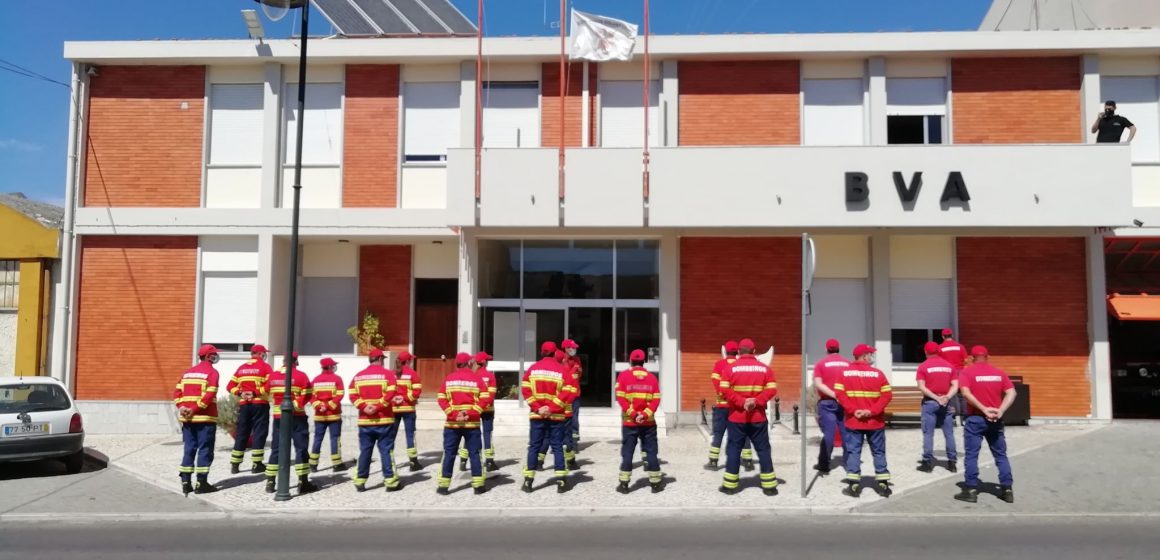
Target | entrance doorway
(591,328)
(436,321)
(1132,268)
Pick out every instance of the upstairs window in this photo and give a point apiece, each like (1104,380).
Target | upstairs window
(430,121)
(834,113)
(916,109)
(511,114)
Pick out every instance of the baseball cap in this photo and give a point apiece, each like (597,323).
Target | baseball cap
(832,345)
(548,347)
(947,332)
(746,344)
(258,349)
(405,356)
(374,354)
(481,357)
(979,350)
(731,347)
(327,362)
(569,343)
(863,349)
(462,358)
(559,354)
(206,349)
(930,348)
(636,356)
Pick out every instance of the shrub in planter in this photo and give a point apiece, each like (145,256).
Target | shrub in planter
(366,335)
(228,414)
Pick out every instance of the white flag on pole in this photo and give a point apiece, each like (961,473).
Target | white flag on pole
(599,39)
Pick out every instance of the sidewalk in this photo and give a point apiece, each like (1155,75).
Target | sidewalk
(683,453)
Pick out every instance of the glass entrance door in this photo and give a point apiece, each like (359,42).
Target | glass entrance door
(591,328)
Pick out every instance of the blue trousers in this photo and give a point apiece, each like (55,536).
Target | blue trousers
(334,428)
(975,430)
(647,436)
(576,420)
(198,440)
(757,434)
(300,436)
(487,423)
(853,443)
(407,419)
(720,423)
(471,440)
(541,434)
(568,442)
(832,420)
(253,425)
(934,417)
(382,437)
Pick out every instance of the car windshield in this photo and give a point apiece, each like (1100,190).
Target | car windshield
(32,397)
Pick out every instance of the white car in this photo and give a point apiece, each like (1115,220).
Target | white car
(39,420)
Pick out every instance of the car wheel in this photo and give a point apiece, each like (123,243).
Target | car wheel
(75,462)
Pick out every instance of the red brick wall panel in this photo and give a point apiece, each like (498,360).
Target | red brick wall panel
(144,149)
(135,316)
(371,136)
(1016,100)
(1025,299)
(384,288)
(759,299)
(740,103)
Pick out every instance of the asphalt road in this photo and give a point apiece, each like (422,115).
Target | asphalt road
(674,538)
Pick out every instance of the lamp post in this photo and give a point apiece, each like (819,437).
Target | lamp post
(283,488)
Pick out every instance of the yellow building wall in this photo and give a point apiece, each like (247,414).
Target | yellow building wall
(35,247)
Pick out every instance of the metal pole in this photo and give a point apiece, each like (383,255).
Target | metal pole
(479,100)
(283,489)
(805,355)
(645,89)
(563,100)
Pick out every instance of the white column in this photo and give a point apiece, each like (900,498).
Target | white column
(272,137)
(1099,359)
(670,102)
(880,306)
(265,303)
(467,104)
(585,111)
(468,318)
(1089,92)
(670,288)
(876,75)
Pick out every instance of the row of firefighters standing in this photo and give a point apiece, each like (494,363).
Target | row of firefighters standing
(852,400)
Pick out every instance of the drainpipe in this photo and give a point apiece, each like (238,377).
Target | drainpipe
(65,318)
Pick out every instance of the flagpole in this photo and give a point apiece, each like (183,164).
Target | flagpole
(647,76)
(563,105)
(479,101)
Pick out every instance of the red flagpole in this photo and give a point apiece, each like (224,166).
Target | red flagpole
(563,104)
(479,101)
(647,76)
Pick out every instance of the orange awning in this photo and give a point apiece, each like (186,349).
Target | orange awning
(1141,307)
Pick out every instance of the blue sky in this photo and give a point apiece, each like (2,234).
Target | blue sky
(34,113)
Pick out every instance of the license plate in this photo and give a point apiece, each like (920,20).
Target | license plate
(13,430)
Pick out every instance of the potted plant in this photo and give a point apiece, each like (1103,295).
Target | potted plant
(367,335)
(228,415)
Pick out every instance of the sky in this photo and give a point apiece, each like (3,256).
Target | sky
(34,112)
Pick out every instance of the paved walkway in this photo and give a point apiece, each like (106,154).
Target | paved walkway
(683,452)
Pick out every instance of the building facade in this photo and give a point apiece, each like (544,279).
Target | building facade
(948,179)
(29,271)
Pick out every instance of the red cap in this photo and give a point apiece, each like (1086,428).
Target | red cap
(569,343)
(205,350)
(636,356)
(832,345)
(931,348)
(327,362)
(731,347)
(979,350)
(548,347)
(258,349)
(462,359)
(559,355)
(481,357)
(405,356)
(375,354)
(947,332)
(863,349)
(747,344)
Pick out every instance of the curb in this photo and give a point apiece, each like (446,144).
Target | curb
(94,456)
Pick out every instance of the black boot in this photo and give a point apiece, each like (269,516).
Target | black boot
(884,489)
(258,468)
(926,466)
(360,487)
(204,487)
(491,466)
(769,491)
(622,487)
(1006,494)
(313,468)
(952,467)
(480,490)
(823,470)
(727,491)
(186,488)
(305,486)
(562,486)
(398,486)
(415,464)
(572,465)
(657,487)
(270,486)
(853,490)
(235,468)
(339,467)
(747,464)
(711,465)
(527,486)
(443,491)
(969,495)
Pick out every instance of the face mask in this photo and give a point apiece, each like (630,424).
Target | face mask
(571,351)
(872,360)
(213,358)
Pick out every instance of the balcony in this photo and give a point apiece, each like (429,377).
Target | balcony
(797,187)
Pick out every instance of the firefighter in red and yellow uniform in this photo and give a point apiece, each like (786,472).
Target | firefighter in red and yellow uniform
(463,397)
(375,392)
(196,399)
(748,385)
(721,412)
(547,387)
(639,394)
(249,385)
(576,368)
(327,403)
(487,419)
(569,444)
(300,393)
(411,388)
(864,392)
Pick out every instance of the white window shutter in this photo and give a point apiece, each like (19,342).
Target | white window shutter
(621,116)
(229,314)
(1137,100)
(430,119)
(235,124)
(838,309)
(511,115)
(833,112)
(916,96)
(920,303)
(322,130)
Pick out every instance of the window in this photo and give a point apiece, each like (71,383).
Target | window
(906,344)
(915,109)
(235,124)
(430,121)
(322,130)
(9,284)
(499,268)
(621,118)
(1138,100)
(500,336)
(228,317)
(638,328)
(511,114)
(919,309)
(328,307)
(567,270)
(906,129)
(839,309)
(833,112)
(638,268)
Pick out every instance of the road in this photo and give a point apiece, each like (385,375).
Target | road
(673,538)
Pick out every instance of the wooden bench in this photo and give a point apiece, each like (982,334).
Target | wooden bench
(905,406)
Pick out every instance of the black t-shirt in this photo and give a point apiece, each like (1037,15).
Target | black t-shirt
(1112,129)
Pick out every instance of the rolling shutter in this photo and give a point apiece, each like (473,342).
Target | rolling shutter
(229,315)
(430,120)
(920,303)
(621,119)
(833,112)
(235,124)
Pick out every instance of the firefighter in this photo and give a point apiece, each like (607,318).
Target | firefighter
(463,398)
(989,393)
(954,352)
(864,392)
(300,394)
(410,386)
(327,403)
(374,392)
(721,412)
(939,383)
(249,386)
(830,415)
(576,368)
(196,400)
(639,396)
(487,418)
(547,387)
(748,385)
(569,443)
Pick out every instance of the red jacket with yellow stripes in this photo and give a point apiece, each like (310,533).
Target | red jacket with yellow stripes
(744,379)
(410,387)
(463,391)
(864,387)
(547,383)
(719,372)
(197,391)
(637,391)
(489,380)
(250,377)
(300,389)
(327,400)
(374,388)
